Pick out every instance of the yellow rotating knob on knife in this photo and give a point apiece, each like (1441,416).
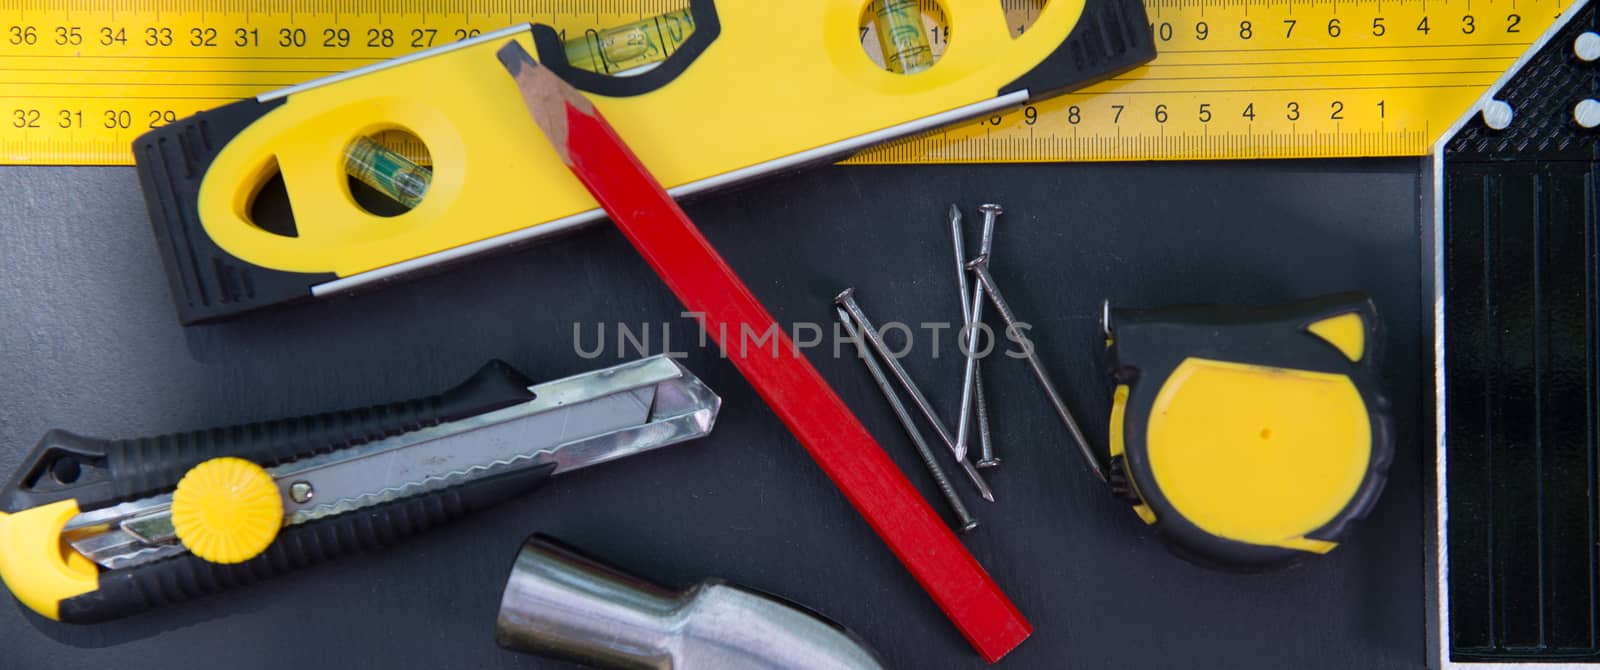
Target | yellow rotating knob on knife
(227,510)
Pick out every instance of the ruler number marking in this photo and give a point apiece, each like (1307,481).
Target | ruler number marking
(1333,28)
(336,37)
(69,36)
(24,35)
(243,37)
(1468,25)
(25,118)
(291,37)
(1245,31)
(380,37)
(202,37)
(1512,21)
(1338,111)
(1293,113)
(109,37)
(118,119)
(1289,30)
(422,38)
(158,36)
(161,117)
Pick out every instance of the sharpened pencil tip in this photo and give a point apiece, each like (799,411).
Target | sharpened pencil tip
(514,58)
(546,96)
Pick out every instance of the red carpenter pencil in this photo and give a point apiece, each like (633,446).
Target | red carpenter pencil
(693,270)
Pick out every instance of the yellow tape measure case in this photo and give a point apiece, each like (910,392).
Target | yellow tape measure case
(1249,437)
(738,100)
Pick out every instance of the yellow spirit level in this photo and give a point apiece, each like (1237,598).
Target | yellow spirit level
(1249,437)
(711,114)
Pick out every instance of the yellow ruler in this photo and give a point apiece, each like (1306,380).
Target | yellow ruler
(80,79)
(1266,79)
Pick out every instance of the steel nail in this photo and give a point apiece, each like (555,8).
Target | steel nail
(963,516)
(969,371)
(980,267)
(986,455)
(846,299)
(991,212)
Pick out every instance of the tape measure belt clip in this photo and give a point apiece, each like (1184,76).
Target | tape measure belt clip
(1254,436)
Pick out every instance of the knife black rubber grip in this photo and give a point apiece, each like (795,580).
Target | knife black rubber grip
(133,590)
(99,473)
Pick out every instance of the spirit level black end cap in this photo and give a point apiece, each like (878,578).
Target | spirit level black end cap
(1112,36)
(207,282)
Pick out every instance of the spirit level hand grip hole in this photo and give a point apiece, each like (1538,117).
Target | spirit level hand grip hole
(269,206)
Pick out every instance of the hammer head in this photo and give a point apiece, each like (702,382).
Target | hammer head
(562,604)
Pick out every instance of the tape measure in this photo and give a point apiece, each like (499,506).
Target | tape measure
(1236,78)
(1250,437)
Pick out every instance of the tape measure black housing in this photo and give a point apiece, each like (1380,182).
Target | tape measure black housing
(1250,437)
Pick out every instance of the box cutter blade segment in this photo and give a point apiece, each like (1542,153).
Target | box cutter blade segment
(571,423)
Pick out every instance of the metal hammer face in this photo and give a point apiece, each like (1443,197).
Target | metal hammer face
(561,604)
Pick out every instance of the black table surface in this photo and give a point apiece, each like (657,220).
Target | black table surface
(90,342)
